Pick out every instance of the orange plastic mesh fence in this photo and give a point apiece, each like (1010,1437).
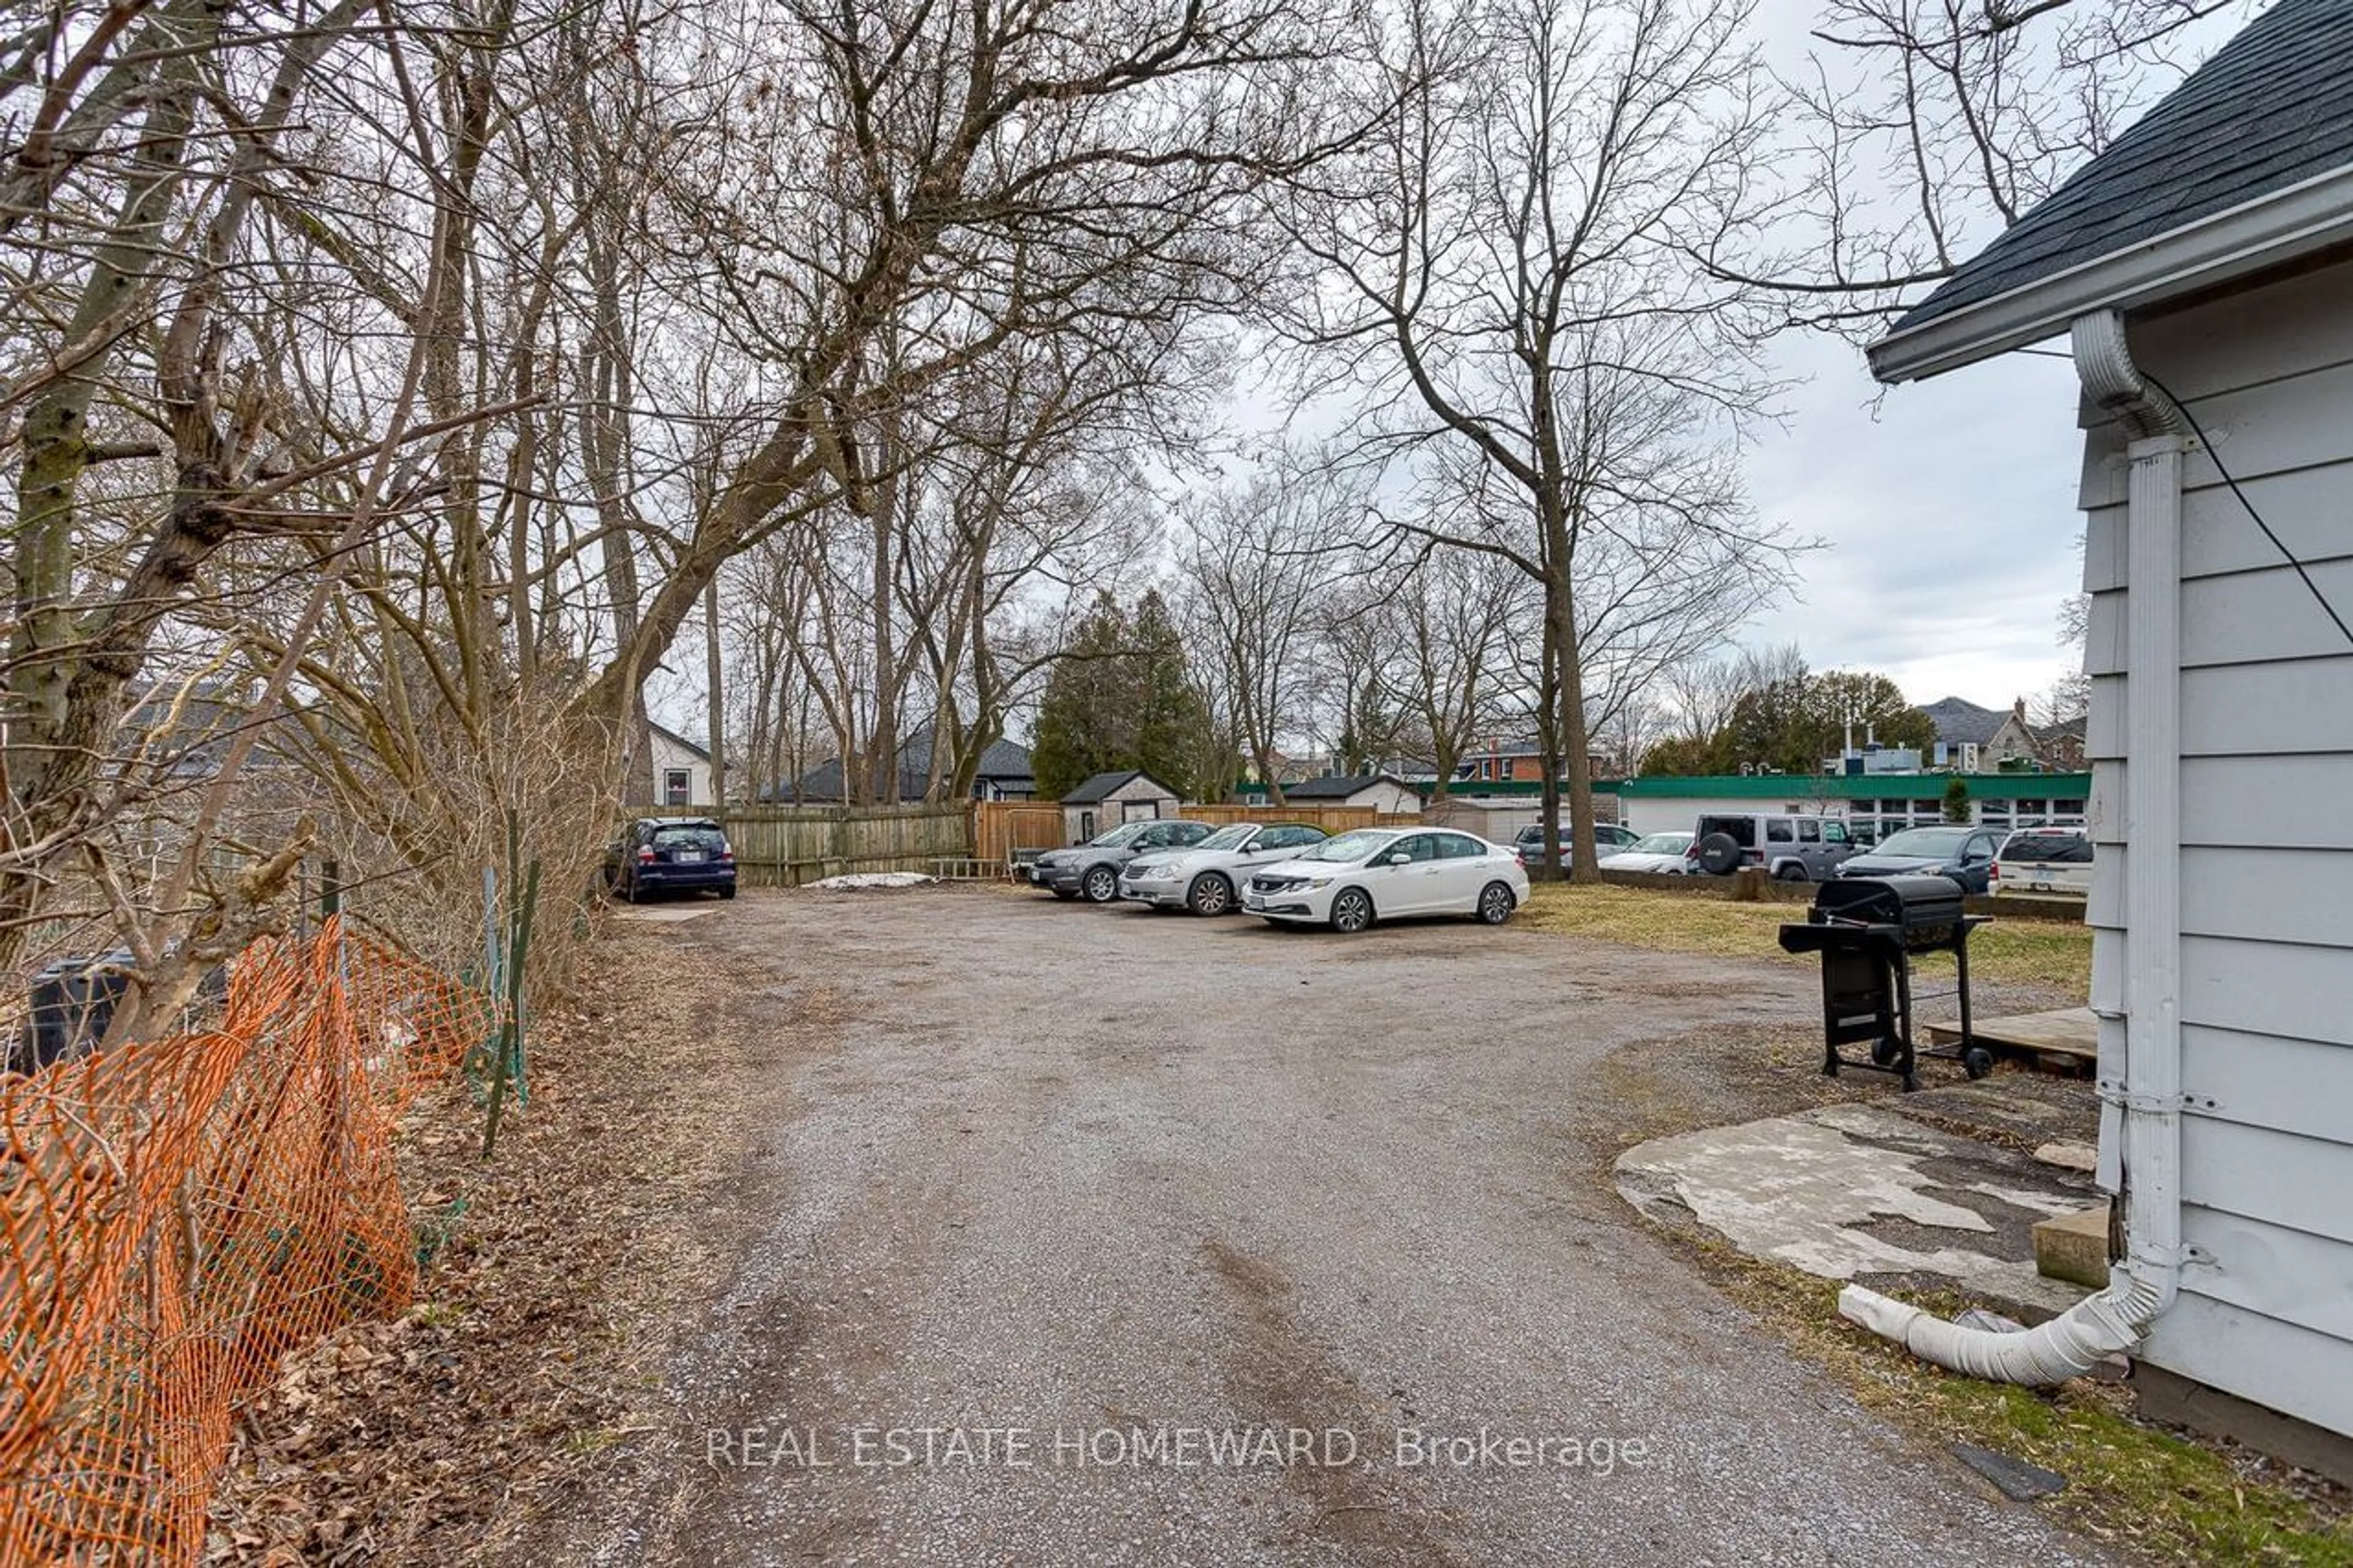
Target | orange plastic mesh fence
(176,1214)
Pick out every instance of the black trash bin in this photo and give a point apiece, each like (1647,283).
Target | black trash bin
(1867,930)
(73,1001)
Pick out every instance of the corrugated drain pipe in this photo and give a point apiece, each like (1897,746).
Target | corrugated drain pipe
(2143,1103)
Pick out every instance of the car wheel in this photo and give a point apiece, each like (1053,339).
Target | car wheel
(1790,872)
(727,892)
(1210,894)
(1352,911)
(1496,903)
(1100,884)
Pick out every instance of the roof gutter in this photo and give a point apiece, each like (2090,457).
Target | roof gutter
(2276,227)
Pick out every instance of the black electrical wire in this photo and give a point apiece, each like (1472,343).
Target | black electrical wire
(2285,553)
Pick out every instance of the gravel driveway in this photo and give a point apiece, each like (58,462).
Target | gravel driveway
(1094,1194)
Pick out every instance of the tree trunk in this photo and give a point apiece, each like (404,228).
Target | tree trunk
(717,737)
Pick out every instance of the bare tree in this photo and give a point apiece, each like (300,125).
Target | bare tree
(1514,258)
(1258,556)
(1460,615)
(1926,126)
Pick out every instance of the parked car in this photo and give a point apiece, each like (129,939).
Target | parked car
(1379,873)
(1660,854)
(1790,848)
(1206,877)
(1960,851)
(656,855)
(1093,868)
(2044,860)
(1528,843)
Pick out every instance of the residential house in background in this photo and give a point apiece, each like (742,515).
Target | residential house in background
(2201,266)
(1517,764)
(681,772)
(1004,775)
(2021,742)
(1965,733)
(1106,800)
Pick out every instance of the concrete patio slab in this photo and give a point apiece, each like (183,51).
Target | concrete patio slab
(1858,1192)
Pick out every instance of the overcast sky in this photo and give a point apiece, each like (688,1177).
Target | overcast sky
(1948,511)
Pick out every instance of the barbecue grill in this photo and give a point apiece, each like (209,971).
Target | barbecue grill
(1868,930)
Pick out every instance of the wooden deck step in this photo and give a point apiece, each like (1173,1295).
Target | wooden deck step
(2066,1038)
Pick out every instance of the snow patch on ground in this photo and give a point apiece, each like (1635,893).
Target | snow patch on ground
(858,881)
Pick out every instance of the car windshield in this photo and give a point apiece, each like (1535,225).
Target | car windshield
(1929,843)
(1232,837)
(1125,833)
(1663,843)
(1354,846)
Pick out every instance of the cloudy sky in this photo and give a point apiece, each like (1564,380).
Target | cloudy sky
(1947,512)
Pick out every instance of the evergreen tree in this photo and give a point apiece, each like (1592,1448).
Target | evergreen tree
(1079,717)
(1121,696)
(1170,715)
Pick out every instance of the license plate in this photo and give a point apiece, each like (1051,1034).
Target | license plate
(1038,877)
(689,857)
(1252,901)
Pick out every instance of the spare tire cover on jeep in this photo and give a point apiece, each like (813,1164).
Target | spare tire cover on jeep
(1719,854)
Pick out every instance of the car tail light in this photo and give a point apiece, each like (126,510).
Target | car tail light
(728,853)
(645,854)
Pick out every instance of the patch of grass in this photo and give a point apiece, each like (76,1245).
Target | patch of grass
(2038,952)
(2128,1482)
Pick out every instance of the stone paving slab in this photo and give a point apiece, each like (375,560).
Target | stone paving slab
(1874,1192)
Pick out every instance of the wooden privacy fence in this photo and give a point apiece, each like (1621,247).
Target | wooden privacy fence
(785,846)
(1001,826)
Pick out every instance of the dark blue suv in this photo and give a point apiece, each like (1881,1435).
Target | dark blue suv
(658,855)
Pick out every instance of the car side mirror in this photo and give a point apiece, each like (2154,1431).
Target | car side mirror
(1399,858)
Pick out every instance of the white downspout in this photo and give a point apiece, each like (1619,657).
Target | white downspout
(2147,1096)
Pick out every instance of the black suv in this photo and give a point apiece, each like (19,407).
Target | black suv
(656,855)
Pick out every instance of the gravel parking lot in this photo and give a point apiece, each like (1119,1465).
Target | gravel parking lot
(1057,1172)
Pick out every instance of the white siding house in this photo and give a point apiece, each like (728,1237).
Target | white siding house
(681,772)
(2265,866)
(2202,267)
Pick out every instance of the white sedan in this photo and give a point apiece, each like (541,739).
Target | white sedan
(1379,873)
(1663,853)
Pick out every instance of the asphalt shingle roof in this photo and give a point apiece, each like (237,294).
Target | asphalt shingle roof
(2271,108)
(1004,763)
(1960,723)
(1336,788)
(1101,784)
